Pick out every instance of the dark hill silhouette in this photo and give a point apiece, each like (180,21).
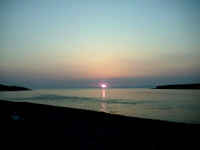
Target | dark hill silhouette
(12,88)
(179,86)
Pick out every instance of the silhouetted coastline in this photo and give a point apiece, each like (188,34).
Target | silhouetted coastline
(179,86)
(12,88)
(84,129)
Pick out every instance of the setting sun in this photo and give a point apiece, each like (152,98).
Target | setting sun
(103,85)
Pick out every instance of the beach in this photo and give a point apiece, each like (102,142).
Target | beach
(84,129)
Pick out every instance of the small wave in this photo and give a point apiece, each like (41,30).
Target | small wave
(55,97)
(86,99)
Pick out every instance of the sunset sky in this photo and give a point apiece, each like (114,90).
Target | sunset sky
(78,43)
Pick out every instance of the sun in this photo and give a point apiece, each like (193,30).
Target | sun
(103,85)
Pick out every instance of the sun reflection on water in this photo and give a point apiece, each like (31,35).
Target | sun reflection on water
(103,105)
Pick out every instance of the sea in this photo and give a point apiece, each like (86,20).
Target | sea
(162,104)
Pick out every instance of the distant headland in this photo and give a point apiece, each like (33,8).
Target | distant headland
(179,86)
(12,88)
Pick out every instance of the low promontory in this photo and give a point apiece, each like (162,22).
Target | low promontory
(179,86)
(12,88)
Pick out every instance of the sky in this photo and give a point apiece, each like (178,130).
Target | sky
(79,43)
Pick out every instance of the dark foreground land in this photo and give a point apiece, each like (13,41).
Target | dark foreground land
(69,128)
(179,86)
(12,88)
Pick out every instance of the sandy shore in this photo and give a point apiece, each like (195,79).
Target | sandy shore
(84,129)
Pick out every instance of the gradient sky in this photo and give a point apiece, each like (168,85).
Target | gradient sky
(78,43)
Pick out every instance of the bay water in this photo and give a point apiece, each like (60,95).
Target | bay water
(170,105)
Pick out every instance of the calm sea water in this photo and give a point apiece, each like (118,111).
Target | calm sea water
(171,105)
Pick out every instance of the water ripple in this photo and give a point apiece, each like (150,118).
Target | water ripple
(84,99)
